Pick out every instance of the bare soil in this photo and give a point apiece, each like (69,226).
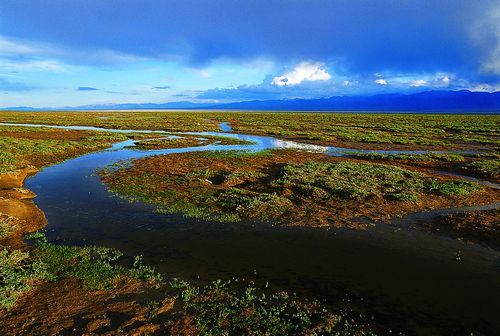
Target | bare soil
(65,307)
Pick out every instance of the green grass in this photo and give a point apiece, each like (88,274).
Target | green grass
(8,161)
(97,267)
(277,191)
(20,152)
(166,143)
(219,309)
(372,128)
(248,204)
(189,141)
(486,168)
(351,181)
(358,181)
(18,274)
(6,225)
(235,154)
(226,140)
(451,188)
(412,157)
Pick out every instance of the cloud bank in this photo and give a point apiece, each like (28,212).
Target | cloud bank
(304,71)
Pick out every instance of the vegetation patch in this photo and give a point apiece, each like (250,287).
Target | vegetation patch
(283,185)
(18,274)
(226,140)
(23,146)
(351,130)
(453,187)
(411,157)
(350,181)
(96,266)
(218,309)
(166,143)
(489,168)
(7,225)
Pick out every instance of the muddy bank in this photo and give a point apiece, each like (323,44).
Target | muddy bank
(18,214)
(16,178)
(66,307)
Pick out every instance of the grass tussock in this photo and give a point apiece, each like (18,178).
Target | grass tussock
(412,157)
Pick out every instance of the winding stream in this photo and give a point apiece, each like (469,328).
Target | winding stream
(409,279)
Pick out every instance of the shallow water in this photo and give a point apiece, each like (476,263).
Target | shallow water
(409,279)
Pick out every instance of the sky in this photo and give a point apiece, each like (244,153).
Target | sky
(57,53)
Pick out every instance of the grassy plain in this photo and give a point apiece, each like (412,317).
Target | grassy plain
(23,146)
(351,130)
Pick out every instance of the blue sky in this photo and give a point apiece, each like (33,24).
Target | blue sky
(66,53)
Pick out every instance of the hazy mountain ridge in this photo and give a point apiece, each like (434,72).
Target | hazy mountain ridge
(427,101)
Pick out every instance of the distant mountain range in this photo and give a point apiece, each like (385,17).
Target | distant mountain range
(428,101)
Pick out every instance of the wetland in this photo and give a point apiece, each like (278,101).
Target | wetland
(267,224)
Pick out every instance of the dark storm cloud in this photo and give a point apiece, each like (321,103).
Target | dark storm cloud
(365,35)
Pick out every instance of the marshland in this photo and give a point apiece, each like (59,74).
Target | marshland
(207,222)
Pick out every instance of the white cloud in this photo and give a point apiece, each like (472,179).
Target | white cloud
(418,83)
(304,71)
(34,49)
(33,65)
(381,81)
(492,64)
(8,46)
(416,80)
(486,34)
